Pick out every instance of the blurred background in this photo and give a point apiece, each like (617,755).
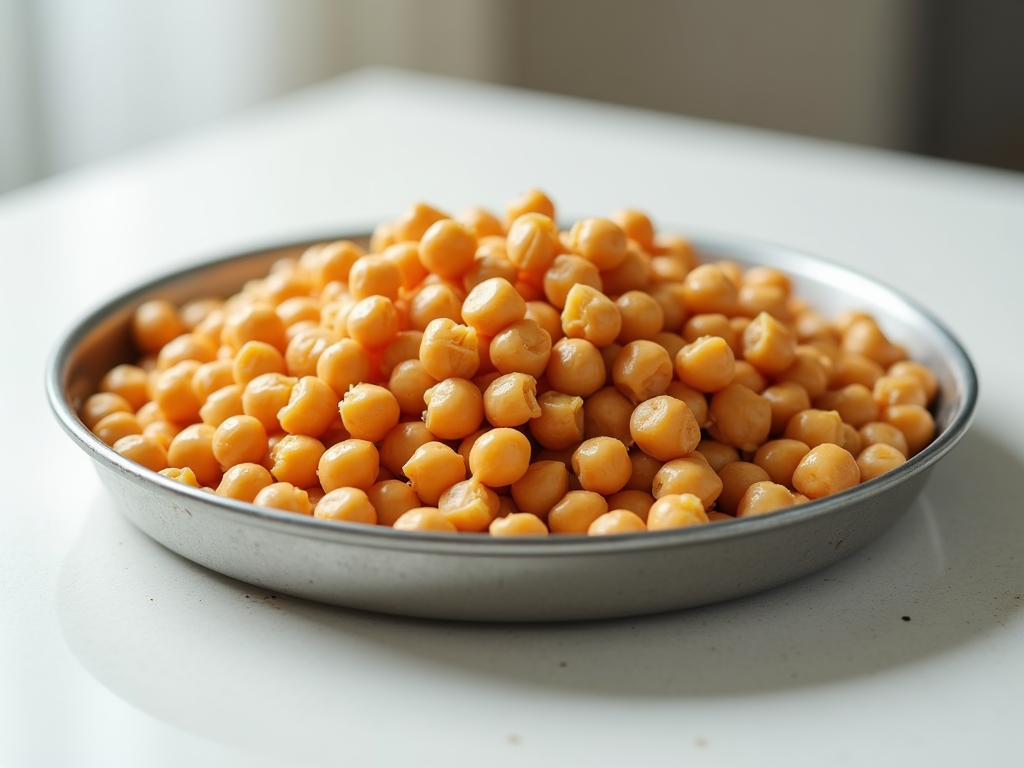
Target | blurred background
(84,79)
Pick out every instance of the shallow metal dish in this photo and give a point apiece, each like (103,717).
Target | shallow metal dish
(476,577)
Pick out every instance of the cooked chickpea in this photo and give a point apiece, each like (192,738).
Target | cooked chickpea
(351,462)
(707,364)
(347,505)
(409,383)
(602,465)
(518,524)
(898,390)
(810,369)
(642,316)
(863,336)
(101,405)
(420,519)
(676,511)
(369,411)
(522,347)
(434,301)
(924,375)
(492,306)
(768,344)
(883,432)
(576,367)
(764,497)
(392,499)
(695,401)
(449,350)
(239,440)
(914,421)
(295,459)
(740,417)
(747,375)
(500,457)
(607,413)
(707,289)
(543,485)
(209,377)
(373,322)
(147,451)
(254,359)
(854,403)
(184,476)
(454,408)
(600,241)
(155,323)
(717,454)
(487,266)
(265,396)
(780,458)
(814,427)
(532,242)
(878,459)
(129,382)
(637,502)
(469,505)
(688,475)
(401,443)
(852,368)
(664,428)
(511,400)
(736,478)
(589,314)
(560,423)
(193,448)
(642,370)
(114,426)
(433,469)
(285,497)
(826,469)
(615,522)
(244,481)
(173,393)
(188,346)
(565,272)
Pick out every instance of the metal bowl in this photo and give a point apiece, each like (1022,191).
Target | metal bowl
(476,577)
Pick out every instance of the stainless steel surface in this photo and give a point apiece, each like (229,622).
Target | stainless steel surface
(475,577)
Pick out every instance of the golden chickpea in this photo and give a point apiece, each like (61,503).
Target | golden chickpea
(511,400)
(295,459)
(642,370)
(567,271)
(285,497)
(695,401)
(375,275)
(265,396)
(544,485)
(331,262)
(114,426)
(576,367)
(676,511)
(481,222)
(372,322)
(311,409)
(209,377)
(854,403)
(392,499)
(851,440)
(432,470)
(924,375)
(454,408)
(589,314)
(469,505)
(769,345)
(607,413)
(434,301)
(717,454)
(898,390)
(350,463)
(600,241)
(814,427)
(348,505)
(532,242)
(518,524)
(708,289)
(531,201)
(154,324)
(752,300)
(254,322)
(184,476)
(522,347)
(305,348)
(492,306)
(500,457)
(878,459)
(128,381)
(560,423)
(406,256)
(673,304)
(852,368)
(449,350)
(764,497)
(193,448)
(101,405)
(863,336)
(369,411)
(244,481)
(810,369)
(664,428)
(882,432)
(707,364)
(239,440)
(401,443)
(254,359)
(415,221)
(736,478)
(147,451)
(786,401)
(172,391)
(615,522)
(637,502)
(780,458)
(636,226)
(688,475)
(343,365)
(576,511)
(642,316)
(713,324)
(299,309)
(409,383)
(487,266)
(740,417)
(602,465)
(447,248)
(424,519)
(914,421)
(225,402)
(826,469)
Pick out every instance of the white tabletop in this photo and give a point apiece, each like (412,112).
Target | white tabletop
(113,651)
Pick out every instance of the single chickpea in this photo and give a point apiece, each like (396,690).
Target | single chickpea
(406,256)
(851,440)
(854,403)
(372,322)
(863,336)
(511,400)
(244,481)
(717,454)
(348,505)
(401,443)
(810,369)
(343,365)
(469,505)
(707,289)
(375,275)
(285,497)
(764,497)
(172,391)
(747,375)
(369,411)
(826,469)
(752,300)
(500,457)
(634,273)
(673,304)
(295,459)
(544,485)
(740,417)
(154,324)
(433,469)
(299,309)
(128,381)
(636,226)
(600,241)
(162,431)
(454,408)
(405,346)
(254,359)
(305,348)
(615,522)
(602,465)
(769,345)
(642,316)
(209,377)
(424,519)
(898,390)
(695,401)
(147,451)
(101,405)
(409,383)
(676,511)
(786,401)
(589,314)
(642,370)
(637,502)
(644,469)
(852,368)
(392,499)
(193,448)
(607,413)
(609,354)
(414,221)
(883,432)
(481,222)
(736,478)
(576,367)
(184,476)
(713,324)
(518,524)
(670,342)
(433,301)
(566,271)
(924,375)
(560,423)
(546,317)
(265,396)
(576,512)
(532,242)
(489,265)
(193,312)
(664,428)
(114,426)
(780,458)
(447,248)
(239,440)
(531,201)
(254,322)
(332,262)
(492,306)
(350,463)
(707,364)
(225,402)
(522,347)
(814,427)
(688,475)
(311,409)
(914,421)
(878,459)
(449,350)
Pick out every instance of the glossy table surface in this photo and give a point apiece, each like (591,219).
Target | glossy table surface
(113,651)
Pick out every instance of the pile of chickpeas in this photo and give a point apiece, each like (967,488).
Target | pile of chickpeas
(484,374)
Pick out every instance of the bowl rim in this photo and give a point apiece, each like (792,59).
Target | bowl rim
(560,545)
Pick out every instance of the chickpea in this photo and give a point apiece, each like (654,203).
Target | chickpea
(372,322)
(147,451)
(454,408)
(129,382)
(637,502)
(531,201)
(114,426)
(409,383)
(810,369)
(576,512)
(375,275)
(155,323)
(898,390)
(878,459)
(254,322)
(925,377)
(434,301)
(883,432)
(740,418)
(209,377)
(670,342)
(518,524)
(589,314)
(780,458)
(708,289)
(295,459)
(826,469)
(852,368)
(636,226)
(717,454)
(560,423)
(305,348)
(607,413)
(688,475)
(567,271)
(415,221)
(392,499)
(736,478)
(673,307)
(311,409)
(173,393)
(348,505)
(532,242)
(769,345)
(707,364)
(764,497)
(644,469)
(576,367)
(615,522)
(350,463)
(244,481)
(522,347)
(449,350)
(265,396)
(406,256)
(511,400)
(469,505)
(102,404)
(713,324)
(664,428)
(854,403)
(369,411)
(433,469)
(193,448)
(599,241)
(747,375)
(642,316)
(642,370)
(427,519)
(285,497)
(184,476)
(343,365)
(239,440)
(695,401)
(500,457)
(602,465)
(676,511)
(401,443)
(814,427)
(914,421)
(863,336)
